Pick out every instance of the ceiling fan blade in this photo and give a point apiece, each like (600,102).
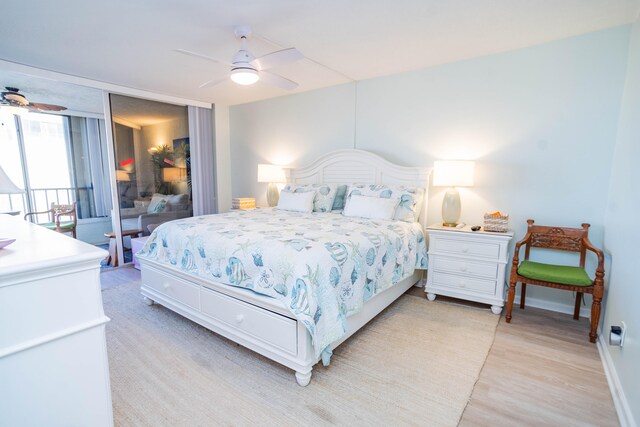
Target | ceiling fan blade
(279,57)
(277,81)
(45,107)
(199,55)
(213,82)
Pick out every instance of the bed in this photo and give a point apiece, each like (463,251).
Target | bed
(266,279)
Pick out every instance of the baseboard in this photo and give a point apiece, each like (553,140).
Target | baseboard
(553,306)
(619,399)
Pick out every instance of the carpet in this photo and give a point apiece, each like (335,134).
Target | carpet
(414,364)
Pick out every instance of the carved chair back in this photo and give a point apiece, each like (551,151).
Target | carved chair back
(558,238)
(68,210)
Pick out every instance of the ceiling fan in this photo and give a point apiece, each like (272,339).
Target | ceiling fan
(246,69)
(11,97)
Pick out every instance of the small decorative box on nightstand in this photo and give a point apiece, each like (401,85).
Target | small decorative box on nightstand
(467,264)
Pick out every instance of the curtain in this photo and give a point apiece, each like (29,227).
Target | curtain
(97,153)
(203,173)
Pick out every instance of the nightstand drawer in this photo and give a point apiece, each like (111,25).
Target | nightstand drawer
(466,247)
(465,267)
(453,281)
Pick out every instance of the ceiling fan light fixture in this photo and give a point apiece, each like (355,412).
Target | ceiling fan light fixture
(244,76)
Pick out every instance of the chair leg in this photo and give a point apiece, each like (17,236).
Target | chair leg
(523,294)
(576,309)
(511,295)
(595,319)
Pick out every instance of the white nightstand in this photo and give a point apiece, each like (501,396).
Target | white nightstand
(467,264)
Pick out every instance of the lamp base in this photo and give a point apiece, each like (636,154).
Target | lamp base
(273,195)
(451,208)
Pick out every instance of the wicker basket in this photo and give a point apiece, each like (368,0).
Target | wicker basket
(496,223)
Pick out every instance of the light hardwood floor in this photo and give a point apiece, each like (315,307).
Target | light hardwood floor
(541,370)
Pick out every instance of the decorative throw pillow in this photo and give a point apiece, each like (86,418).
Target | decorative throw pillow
(160,206)
(370,207)
(297,202)
(410,198)
(338,202)
(179,202)
(324,194)
(155,201)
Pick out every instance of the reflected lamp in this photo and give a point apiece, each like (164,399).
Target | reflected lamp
(174,174)
(122,175)
(452,174)
(272,175)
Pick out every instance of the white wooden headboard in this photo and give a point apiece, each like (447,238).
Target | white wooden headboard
(357,166)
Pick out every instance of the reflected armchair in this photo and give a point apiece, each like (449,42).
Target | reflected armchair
(55,214)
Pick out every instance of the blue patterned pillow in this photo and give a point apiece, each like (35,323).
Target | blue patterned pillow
(325,194)
(338,202)
(409,198)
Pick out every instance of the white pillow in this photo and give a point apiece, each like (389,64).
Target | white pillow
(371,207)
(297,202)
(410,198)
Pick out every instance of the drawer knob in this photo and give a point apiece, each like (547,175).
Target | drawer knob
(239,318)
(166,285)
(462,285)
(463,268)
(465,249)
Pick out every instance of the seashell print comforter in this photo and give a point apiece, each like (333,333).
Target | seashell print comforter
(322,266)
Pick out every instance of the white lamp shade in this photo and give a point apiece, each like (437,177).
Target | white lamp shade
(453,173)
(7,186)
(174,174)
(244,76)
(271,174)
(122,175)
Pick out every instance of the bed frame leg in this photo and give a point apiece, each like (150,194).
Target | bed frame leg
(303,379)
(147,300)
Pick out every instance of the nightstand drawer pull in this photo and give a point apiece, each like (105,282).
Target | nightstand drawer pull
(463,268)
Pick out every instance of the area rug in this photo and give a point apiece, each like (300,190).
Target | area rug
(414,364)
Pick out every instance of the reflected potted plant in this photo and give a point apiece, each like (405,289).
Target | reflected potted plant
(162,157)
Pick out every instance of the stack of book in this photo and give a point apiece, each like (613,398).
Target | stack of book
(243,203)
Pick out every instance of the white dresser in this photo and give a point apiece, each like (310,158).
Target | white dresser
(53,356)
(467,264)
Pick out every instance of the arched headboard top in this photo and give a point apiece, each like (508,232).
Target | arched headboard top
(358,166)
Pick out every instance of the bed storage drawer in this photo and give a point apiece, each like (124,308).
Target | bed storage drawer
(264,325)
(176,288)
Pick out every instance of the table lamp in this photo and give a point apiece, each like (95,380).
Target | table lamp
(452,174)
(272,175)
(122,176)
(8,187)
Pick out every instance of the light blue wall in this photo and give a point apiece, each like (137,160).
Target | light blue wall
(541,123)
(291,130)
(622,235)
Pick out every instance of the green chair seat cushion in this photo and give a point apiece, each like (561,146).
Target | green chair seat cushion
(63,225)
(555,273)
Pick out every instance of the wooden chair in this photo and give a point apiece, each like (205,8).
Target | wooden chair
(55,213)
(558,276)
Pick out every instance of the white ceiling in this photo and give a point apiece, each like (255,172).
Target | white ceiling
(131,42)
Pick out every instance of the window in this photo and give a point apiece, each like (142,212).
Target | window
(50,156)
